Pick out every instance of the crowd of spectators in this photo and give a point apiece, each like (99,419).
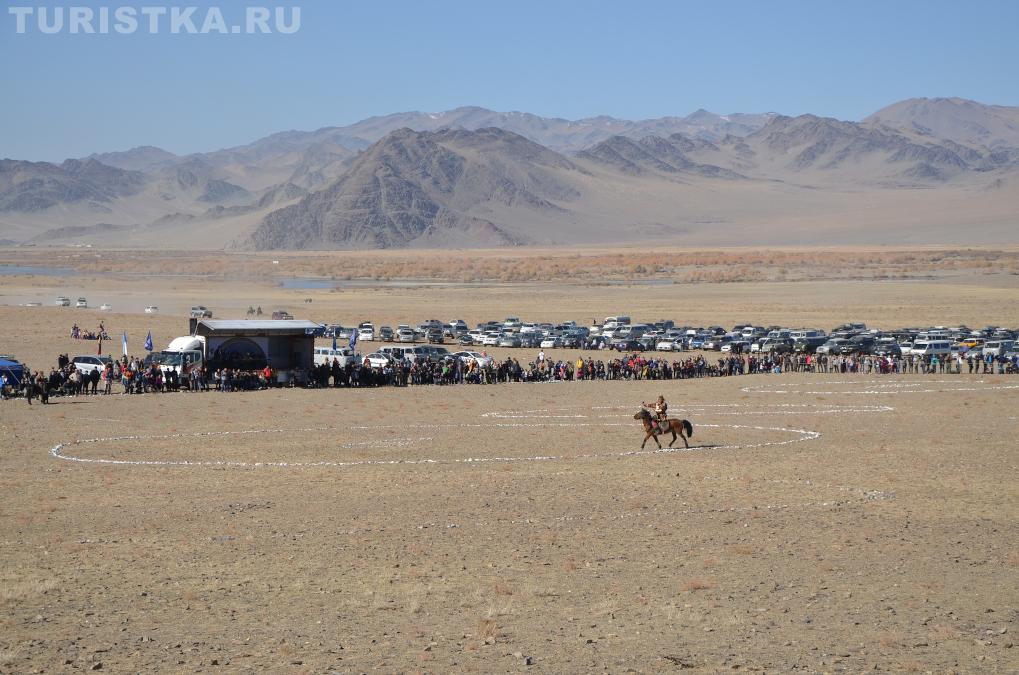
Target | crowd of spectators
(638,367)
(133,376)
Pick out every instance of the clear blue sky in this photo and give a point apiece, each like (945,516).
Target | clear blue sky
(69,95)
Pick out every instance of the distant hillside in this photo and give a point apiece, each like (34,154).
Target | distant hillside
(826,145)
(194,181)
(29,187)
(656,154)
(954,119)
(807,149)
(424,188)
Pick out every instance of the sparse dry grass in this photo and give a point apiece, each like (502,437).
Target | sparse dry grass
(500,588)
(11,655)
(12,591)
(414,600)
(698,584)
(606,607)
(488,628)
(501,607)
(542,591)
(946,632)
(890,640)
(740,549)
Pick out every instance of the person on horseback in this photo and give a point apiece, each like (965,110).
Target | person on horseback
(661,410)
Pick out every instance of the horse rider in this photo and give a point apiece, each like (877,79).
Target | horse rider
(661,411)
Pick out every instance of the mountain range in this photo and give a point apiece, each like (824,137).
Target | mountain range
(920,170)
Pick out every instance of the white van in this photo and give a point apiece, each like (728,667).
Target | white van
(345,356)
(931,348)
(998,347)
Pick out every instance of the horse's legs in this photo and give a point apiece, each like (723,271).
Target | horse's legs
(653,435)
(682,433)
(673,436)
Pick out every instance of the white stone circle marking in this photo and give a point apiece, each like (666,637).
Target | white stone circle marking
(877,387)
(60,450)
(846,495)
(386,443)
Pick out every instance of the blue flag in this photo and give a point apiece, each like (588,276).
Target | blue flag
(148,342)
(123,343)
(353,338)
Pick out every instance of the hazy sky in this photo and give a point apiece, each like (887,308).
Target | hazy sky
(67,95)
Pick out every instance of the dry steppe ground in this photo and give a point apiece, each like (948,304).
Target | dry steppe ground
(849,523)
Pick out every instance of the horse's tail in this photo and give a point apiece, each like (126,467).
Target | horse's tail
(688,427)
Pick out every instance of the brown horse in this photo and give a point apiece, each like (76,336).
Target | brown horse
(679,428)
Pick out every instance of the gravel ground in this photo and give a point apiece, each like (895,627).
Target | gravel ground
(511,527)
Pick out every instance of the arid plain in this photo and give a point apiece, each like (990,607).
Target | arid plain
(819,523)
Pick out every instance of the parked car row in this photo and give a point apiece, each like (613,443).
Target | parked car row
(620,333)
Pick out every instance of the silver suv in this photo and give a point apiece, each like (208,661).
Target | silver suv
(201,312)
